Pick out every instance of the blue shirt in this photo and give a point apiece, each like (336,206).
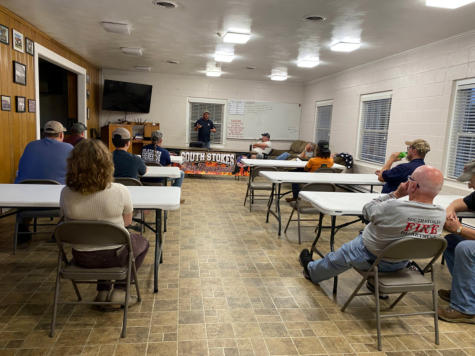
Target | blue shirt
(44,159)
(397,175)
(155,154)
(204,131)
(128,165)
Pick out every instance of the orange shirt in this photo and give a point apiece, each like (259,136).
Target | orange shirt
(317,163)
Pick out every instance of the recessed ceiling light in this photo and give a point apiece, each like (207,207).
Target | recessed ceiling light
(314,18)
(279,74)
(224,57)
(213,73)
(448,4)
(143,68)
(236,37)
(308,62)
(116,27)
(165,4)
(132,51)
(172,61)
(345,46)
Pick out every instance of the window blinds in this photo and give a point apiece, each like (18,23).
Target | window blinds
(324,118)
(216,113)
(374,123)
(462,140)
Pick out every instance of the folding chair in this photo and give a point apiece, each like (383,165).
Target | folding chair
(303,207)
(132,182)
(96,233)
(405,280)
(254,183)
(33,213)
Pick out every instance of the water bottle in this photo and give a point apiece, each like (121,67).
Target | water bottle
(402,155)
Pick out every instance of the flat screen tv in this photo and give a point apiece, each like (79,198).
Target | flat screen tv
(128,97)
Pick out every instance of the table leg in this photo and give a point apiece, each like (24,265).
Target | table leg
(319,232)
(165,213)
(332,248)
(277,203)
(269,203)
(158,247)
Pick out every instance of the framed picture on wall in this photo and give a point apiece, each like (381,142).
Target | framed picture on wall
(29,46)
(6,103)
(20,102)
(4,34)
(31,105)
(19,73)
(18,41)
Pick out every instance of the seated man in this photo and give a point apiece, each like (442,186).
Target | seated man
(125,163)
(77,133)
(155,154)
(322,159)
(416,152)
(305,155)
(390,219)
(262,148)
(460,257)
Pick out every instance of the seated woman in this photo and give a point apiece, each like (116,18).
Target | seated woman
(90,195)
(323,159)
(305,155)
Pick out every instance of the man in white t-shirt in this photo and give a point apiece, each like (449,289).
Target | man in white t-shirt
(263,147)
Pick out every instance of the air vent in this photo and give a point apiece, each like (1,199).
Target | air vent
(250,67)
(172,61)
(314,18)
(165,4)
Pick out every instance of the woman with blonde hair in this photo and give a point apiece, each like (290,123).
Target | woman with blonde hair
(90,194)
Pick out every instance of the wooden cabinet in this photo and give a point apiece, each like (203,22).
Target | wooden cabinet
(141,135)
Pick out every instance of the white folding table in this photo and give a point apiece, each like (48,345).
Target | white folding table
(143,197)
(176,159)
(278,163)
(278,178)
(351,204)
(162,172)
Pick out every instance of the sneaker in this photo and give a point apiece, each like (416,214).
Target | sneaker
(454,316)
(305,258)
(444,294)
(182,201)
(101,296)
(118,297)
(288,200)
(372,290)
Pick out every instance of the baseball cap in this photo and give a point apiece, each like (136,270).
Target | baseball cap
(53,127)
(468,171)
(323,146)
(422,146)
(157,135)
(122,132)
(265,134)
(78,127)
(206,111)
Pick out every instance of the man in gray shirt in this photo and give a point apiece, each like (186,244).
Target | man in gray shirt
(390,219)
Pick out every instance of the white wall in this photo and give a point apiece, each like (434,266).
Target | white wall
(170,93)
(422,84)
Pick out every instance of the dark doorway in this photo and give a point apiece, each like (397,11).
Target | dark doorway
(58,94)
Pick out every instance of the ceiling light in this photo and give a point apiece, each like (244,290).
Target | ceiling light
(448,4)
(236,37)
(345,46)
(132,51)
(279,74)
(143,68)
(116,27)
(308,62)
(213,73)
(165,4)
(224,57)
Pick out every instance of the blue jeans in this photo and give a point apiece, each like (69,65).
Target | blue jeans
(177,182)
(460,257)
(351,254)
(283,156)
(207,144)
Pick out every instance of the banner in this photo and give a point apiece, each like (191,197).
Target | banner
(204,162)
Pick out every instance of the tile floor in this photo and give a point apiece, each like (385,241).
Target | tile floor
(228,286)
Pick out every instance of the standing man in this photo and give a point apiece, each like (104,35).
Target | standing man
(263,147)
(205,126)
(460,257)
(416,152)
(77,133)
(125,163)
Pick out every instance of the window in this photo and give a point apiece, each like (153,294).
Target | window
(375,110)
(216,114)
(324,120)
(462,137)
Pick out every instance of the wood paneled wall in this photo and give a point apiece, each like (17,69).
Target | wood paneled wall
(18,129)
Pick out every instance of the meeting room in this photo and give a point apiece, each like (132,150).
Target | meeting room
(253,177)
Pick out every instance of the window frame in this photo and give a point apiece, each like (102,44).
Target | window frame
(318,104)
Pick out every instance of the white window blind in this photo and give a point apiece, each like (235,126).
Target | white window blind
(216,114)
(462,140)
(374,122)
(324,120)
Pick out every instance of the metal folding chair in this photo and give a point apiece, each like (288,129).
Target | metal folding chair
(254,184)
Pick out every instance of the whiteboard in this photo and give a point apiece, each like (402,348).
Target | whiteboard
(249,119)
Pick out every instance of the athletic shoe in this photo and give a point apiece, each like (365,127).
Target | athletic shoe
(454,316)
(288,200)
(118,297)
(305,258)
(444,294)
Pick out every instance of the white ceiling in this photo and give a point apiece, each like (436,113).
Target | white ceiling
(279,34)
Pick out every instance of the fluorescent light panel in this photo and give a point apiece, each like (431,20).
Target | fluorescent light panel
(143,68)
(448,4)
(345,46)
(236,37)
(278,74)
(116,27)
(132,51)
(308,62)
(213,73)
(223,57)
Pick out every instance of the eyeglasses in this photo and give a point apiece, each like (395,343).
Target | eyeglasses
(413,180)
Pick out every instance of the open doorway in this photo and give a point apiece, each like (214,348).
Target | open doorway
(58,94)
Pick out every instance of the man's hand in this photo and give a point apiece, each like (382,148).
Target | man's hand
(198,126)
(401,191)
(395,156)
(452,224)
(378,172)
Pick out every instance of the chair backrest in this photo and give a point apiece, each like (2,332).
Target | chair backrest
(95,233)
(127,181)
(40,181)
(319,187)
(414,248)
(327,170)
(255,171)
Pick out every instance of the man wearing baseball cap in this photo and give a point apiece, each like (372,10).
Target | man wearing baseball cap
(263,147)
(76,133)
(416,152)
(460,257)
(125,164)
(205,126)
